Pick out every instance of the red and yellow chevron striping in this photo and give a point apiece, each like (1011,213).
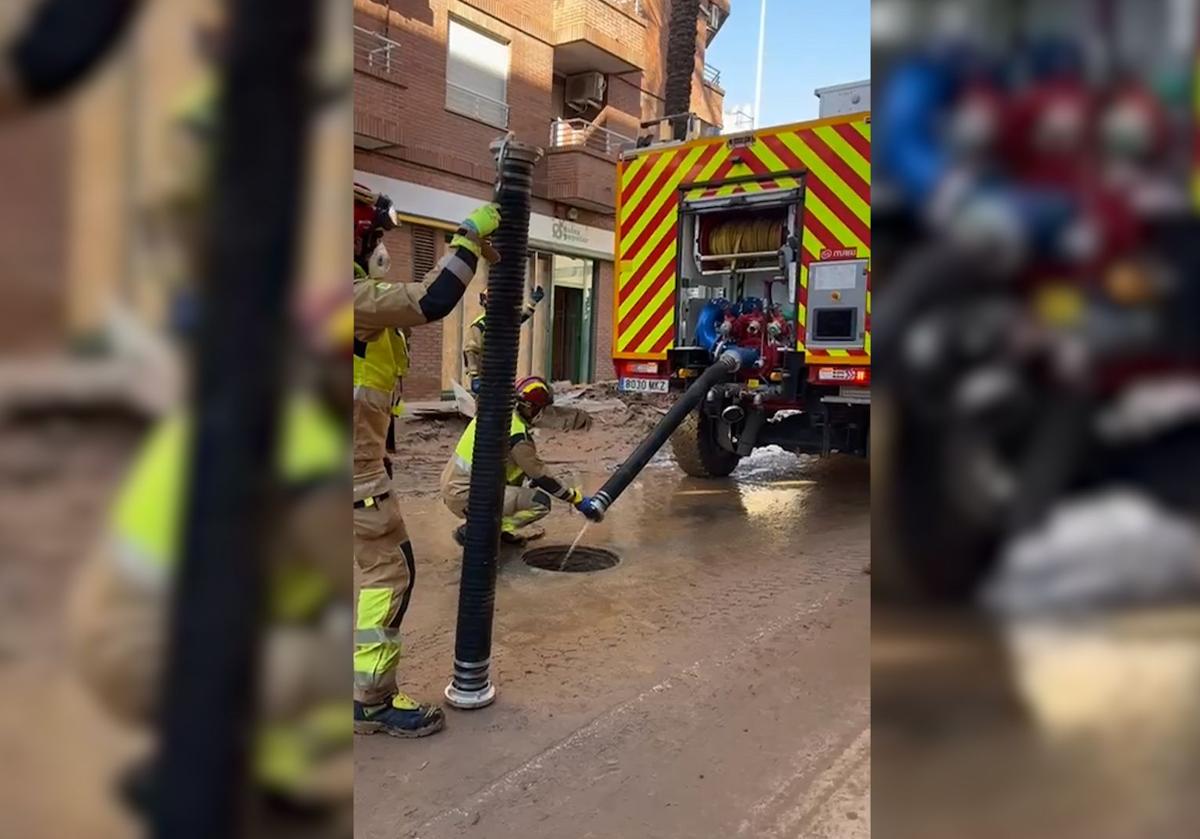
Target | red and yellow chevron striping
(835,158)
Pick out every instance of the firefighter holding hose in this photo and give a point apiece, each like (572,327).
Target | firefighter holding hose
(382,549)
(529,486)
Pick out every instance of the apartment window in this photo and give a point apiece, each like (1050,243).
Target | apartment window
(477,74)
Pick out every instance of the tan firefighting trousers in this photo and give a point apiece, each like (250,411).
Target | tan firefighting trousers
(383,555)
(386,575)
(117,636)
(522,505)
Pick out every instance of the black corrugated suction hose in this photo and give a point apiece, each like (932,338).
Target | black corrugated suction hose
(730,361)
(471,686)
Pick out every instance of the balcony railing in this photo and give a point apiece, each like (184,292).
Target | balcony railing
(470,103)
(712,75)
(376,52)
(579,133)
(633,7)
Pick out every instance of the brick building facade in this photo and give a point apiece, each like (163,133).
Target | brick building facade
(437,80)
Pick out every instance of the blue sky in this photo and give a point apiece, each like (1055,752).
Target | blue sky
(809,44)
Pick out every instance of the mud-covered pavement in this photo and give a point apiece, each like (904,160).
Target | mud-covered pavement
(714,684)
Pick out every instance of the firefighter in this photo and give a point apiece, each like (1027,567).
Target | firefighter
(528,485)
(119,605)
(382,550)
(473,346)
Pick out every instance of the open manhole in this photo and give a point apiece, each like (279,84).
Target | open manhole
(554,558)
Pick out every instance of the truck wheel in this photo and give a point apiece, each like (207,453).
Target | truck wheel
(696,450)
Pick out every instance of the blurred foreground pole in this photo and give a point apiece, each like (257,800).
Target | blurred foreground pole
(210,695)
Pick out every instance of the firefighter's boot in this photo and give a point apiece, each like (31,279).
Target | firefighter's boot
(403,716)
(519,536)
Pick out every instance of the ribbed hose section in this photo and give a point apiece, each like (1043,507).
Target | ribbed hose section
(728,364)
(471,686)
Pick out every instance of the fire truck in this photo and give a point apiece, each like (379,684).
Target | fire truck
(759,240)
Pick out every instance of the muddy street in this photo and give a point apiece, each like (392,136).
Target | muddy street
(714,683)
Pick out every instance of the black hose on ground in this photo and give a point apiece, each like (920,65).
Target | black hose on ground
(472,686)
(729,362)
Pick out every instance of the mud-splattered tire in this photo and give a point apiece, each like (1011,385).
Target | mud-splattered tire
(694,445)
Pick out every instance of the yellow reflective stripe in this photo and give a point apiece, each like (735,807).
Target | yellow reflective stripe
(314,443)
(374,661)
(373,606)
(628,237)
(655,335)
(465,449)
(631,168)
(833,224)
(769,159)
(656,169)
(863,128)
(148,514)
(667,228)
(811,243)
(297,593)
(650,310)
(633,295)
(845,151)
(710,169)
(828,177)
(287,755)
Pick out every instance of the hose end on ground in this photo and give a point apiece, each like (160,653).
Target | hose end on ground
(472,685)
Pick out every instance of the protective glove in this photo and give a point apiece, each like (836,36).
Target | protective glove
(538,295)
(473,232)
(577,498)
(483,221)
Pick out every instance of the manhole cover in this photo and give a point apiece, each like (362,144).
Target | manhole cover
(554,558)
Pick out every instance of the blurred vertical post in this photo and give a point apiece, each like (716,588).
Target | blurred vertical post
(210,682)
(758,69)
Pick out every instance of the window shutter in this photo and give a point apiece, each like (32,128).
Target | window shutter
(424,245)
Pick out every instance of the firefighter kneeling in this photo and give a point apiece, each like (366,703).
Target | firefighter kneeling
(529,487)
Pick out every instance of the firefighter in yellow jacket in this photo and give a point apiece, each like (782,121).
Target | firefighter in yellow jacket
(529,485)
(382,550)
(119,605)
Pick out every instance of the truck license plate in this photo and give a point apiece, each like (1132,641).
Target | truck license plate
(638,385)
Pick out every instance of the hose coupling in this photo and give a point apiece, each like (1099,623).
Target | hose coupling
(596,506)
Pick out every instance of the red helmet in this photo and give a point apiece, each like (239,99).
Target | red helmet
(373,215)
(533,394)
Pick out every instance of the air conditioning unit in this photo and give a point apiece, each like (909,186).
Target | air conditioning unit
(585,90)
